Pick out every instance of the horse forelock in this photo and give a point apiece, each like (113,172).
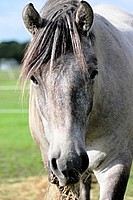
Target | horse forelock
(58,36)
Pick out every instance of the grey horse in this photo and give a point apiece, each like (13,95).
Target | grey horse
(80,62)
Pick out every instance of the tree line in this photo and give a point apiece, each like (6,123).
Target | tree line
(12,50)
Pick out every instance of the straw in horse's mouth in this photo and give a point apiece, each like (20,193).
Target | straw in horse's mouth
(70,192)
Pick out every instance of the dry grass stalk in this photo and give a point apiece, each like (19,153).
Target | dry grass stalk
(66,192)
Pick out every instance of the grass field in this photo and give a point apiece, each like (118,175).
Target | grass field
(19,155)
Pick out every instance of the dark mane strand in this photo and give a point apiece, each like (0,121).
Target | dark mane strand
(59,36)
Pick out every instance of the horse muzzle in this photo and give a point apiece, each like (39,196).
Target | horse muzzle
(68,171)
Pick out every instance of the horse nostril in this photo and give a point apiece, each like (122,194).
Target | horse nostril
(70,170)
(54,164)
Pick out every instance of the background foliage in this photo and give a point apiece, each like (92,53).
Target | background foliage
(12,50)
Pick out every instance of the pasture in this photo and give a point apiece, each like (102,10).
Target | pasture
(19,156)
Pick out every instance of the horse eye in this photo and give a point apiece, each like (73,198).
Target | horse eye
(93,74)
(34,80)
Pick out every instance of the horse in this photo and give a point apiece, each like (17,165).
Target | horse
(80,63)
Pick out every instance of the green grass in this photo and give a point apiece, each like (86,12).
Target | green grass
(8,78)
(19,155)
(11,99)
(130,185)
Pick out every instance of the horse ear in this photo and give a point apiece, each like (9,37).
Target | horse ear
(31,18)
(84,16)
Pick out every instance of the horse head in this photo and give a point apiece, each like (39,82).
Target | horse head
(62,66)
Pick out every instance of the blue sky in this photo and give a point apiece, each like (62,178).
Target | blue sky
(11,25)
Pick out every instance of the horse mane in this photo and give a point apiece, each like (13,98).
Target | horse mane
(58,35)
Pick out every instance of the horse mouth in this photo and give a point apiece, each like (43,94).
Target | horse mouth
(69,173)
(70,191)
(65,180)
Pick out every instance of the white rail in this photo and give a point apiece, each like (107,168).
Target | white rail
(13,111)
